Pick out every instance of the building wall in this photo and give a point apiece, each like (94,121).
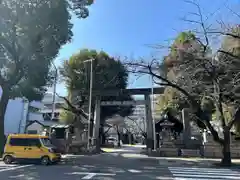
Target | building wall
(14,116)
(47,110)
(139,115)
(17,114)
(34,127)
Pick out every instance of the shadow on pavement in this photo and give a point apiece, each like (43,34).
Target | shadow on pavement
(121,164)
(107,167)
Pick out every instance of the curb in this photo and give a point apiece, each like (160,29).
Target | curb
(70,156)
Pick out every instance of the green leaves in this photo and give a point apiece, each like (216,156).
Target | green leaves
(108,73)
(80,7)
(29,41)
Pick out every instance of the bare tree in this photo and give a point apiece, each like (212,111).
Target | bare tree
(199,73)
(135,126)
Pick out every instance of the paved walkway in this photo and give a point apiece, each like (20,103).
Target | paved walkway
(126,148)
(133,151)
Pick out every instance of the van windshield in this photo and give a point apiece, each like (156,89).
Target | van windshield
(46,142)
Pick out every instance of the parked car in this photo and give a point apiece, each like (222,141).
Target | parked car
(112,141)
(30,147)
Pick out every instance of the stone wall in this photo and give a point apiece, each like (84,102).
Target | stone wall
(214,150)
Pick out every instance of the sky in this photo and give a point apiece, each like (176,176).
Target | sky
(127,28)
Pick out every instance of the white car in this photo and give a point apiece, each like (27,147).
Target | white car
(112,141)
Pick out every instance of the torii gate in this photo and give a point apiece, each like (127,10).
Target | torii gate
(140,91)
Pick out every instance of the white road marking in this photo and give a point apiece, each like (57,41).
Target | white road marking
(90,175)
(134,171)
(14,168)
(189,173)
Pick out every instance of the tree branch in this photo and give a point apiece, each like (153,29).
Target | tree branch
(107,130)
(236,118)
(73,109)
(136,124)
(229,54)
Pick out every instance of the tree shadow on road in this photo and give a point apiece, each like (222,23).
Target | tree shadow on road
(117,166)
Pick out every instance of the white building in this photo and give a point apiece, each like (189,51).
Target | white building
(138,115)
(47,109)
(23,117)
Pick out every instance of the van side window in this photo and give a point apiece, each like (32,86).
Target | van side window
(34,142)
(18,142)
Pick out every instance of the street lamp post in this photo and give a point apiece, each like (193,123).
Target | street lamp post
(90,100)
(54,92)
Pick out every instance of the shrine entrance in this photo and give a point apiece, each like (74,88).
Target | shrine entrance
(147,102)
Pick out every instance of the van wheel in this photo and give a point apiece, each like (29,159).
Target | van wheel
(45,160)
(8,159)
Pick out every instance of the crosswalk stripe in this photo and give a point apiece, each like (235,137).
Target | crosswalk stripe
(189,173)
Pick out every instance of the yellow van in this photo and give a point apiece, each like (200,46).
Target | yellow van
(30,147)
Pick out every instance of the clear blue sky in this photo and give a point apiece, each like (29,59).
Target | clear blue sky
(125,27)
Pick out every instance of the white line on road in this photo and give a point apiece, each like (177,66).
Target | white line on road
(134,171)
(14,168)
(91,175)
(189,173)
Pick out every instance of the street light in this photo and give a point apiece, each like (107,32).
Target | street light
(54,92)
(90,99)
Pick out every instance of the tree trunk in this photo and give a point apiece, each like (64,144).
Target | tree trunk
(119,139)
(102,134)
(3,107)
(226,151)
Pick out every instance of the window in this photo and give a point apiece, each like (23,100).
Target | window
(32,131)
(60,133)
(33,109)
(25,142)
(46,142)
(34,142)
(18,142)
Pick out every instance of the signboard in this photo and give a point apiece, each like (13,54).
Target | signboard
(122,103)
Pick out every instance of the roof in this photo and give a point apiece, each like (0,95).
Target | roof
(27,135)
(29,123)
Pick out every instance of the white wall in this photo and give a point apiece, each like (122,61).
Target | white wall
(37,104)
(17,114)
(35,126)
(37,116)
(13,116)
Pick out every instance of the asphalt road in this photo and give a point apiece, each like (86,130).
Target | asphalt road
(113,166)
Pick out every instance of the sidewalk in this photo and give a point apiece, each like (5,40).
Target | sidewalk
(180,161)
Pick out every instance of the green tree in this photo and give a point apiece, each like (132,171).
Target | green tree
(184,43)
(108,73)
(29,41)
(213,77)
(80,7)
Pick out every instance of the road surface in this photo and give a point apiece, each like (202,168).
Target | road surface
(125,163)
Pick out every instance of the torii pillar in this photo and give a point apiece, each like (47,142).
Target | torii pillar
(96,128)
(149,123)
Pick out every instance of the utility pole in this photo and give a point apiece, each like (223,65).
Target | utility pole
(54,92)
